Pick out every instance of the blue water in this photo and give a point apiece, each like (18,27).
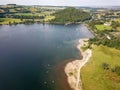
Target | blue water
(28,53)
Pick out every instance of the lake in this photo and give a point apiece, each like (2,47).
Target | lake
(28,53)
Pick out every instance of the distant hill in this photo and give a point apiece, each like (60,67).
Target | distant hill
(71,15)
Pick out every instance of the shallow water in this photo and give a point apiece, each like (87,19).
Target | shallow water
(28,52)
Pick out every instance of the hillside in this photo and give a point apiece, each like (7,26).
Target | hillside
(70,15)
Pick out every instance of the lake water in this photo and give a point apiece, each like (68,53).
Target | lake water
(28,53)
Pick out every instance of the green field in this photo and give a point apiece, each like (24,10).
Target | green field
(47,13)
(12,10)
(118,28)
(103,27)
(48,18)
(94,77)
(30,14)
(7,20)
(117,20)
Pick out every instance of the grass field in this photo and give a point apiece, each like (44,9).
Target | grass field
(117,20)
(30,14)
(7,20)
(47,13)
(12,20)
(103,27)
(94,77)
(32,9)
(48,18)
(12,10)
(118,28)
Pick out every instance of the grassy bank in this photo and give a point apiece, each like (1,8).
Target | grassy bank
(10,20)
(94,77)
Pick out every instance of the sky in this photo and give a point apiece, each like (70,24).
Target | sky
(64,2)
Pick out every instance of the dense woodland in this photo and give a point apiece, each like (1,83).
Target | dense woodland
(71,15)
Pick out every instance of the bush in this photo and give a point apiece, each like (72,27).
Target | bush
(116,70)
(105,66)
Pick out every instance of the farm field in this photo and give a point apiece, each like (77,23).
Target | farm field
(103,27)
(8,20)
(94,77)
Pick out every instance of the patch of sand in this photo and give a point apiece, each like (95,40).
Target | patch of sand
(72,69)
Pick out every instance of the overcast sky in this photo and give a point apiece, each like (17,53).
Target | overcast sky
(64,2)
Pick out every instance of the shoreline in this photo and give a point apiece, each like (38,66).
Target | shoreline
(89,29)
(72,69)
(39,22)
(60,77)
(29,23)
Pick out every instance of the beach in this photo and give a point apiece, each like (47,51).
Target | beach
(72,68)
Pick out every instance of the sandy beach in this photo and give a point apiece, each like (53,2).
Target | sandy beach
(72,69)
